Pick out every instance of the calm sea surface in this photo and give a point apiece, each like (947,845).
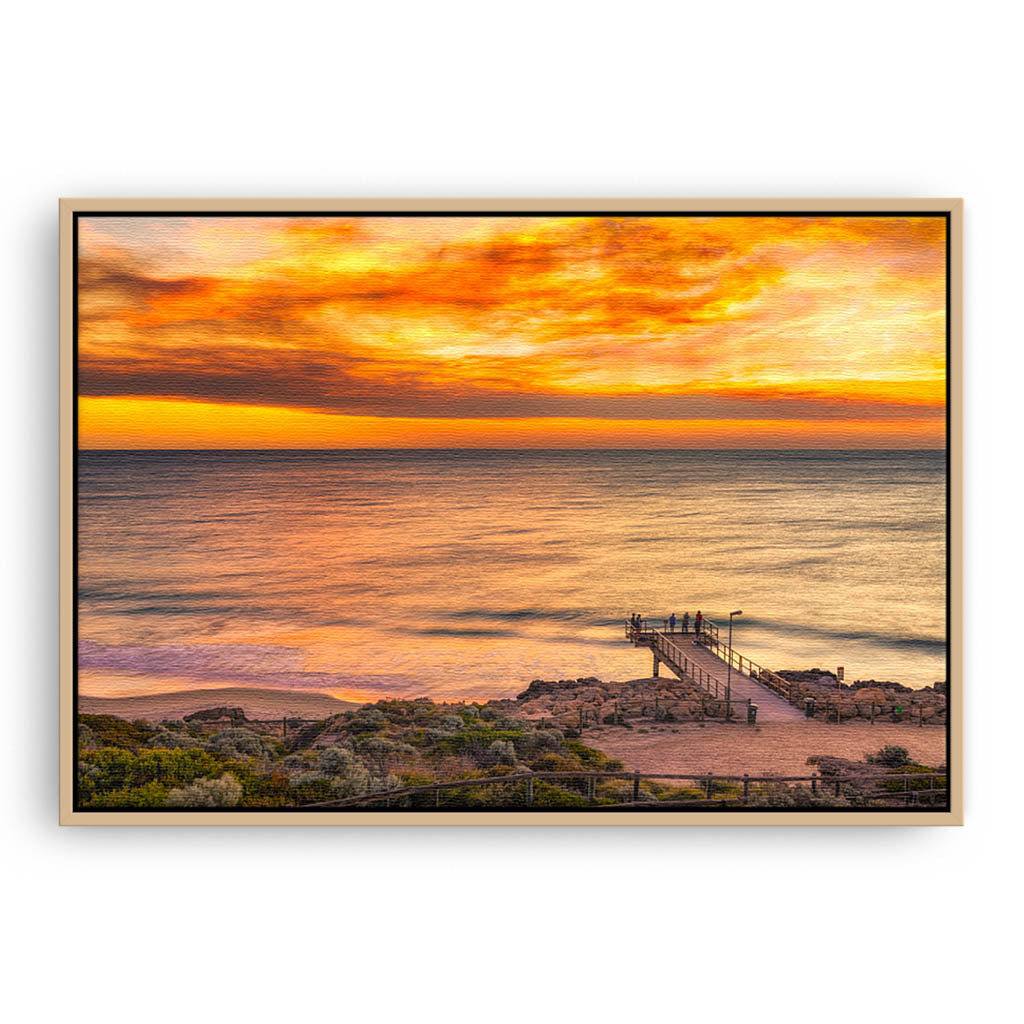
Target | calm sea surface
(454,574)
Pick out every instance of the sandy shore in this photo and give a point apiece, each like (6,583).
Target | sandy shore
(779,748)
(255,702)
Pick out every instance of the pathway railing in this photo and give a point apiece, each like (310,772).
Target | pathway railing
(900,787)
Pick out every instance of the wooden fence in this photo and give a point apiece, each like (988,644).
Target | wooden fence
(900,787)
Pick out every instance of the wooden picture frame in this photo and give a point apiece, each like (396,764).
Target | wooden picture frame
(72,210)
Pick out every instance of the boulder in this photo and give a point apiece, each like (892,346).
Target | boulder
(234,715)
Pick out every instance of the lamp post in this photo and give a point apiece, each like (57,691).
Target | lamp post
(728,673)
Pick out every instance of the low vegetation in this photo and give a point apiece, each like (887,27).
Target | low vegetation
(393,746)
(387,746)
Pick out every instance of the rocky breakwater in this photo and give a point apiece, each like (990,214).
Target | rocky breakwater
(576,704)
(866,699)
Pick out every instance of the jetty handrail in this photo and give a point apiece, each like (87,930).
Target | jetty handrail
(709,637)
(706,780)
(759,673)
(647,626)
(674,655)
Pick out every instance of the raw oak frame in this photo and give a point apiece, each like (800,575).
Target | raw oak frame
(953,208)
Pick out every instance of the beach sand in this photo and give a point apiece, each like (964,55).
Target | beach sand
(256,703)
(779,748)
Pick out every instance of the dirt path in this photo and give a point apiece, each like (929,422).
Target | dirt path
(780,748)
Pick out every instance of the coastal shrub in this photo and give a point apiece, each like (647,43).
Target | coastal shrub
(346,773)
(242,743)
(172,767)
(307,778)
(337,760)
(367,719)
(382,755)
(917,779)
(677,793)
(113,771)
(110,731)
(890,756)
(501,752)
(296,763)
(616,791)
(593,759)
(552,762)
(223,792)
(778,794)
(168,740)
(547,795)
(476,741)
(152,794)
(431,737)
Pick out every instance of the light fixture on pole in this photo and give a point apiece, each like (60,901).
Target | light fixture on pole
(728,676)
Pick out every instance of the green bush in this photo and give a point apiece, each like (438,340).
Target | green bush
(110,731)
(223,792)
(890,756)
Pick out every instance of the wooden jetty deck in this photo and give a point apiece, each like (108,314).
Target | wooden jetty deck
(704,661)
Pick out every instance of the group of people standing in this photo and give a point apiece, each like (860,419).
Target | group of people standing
(671,622)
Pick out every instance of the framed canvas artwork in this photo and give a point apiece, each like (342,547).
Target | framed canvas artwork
(635,512)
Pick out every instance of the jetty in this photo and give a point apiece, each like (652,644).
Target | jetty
(703,660)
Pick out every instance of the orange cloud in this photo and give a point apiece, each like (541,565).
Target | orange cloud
(738,320)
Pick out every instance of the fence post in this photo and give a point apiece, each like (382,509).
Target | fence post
(529,790)
(437,796)
(636,787)
(591,788)
(746,786)
(707,786)
(814,783)
(837,787)
(906,790)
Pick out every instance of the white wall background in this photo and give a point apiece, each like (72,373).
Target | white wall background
(531,99)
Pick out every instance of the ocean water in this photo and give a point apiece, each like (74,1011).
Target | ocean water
(467,574)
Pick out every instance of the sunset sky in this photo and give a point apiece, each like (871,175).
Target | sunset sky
(600,332)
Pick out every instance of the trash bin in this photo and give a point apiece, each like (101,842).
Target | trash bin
(751,714)
(809,707)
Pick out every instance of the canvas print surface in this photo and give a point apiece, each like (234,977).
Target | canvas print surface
(581,513)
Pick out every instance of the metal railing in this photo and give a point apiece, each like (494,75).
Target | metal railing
(745,666)
(709,638)
(688,628)
(675,656)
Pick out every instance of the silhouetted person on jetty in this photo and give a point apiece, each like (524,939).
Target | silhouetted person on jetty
(686,622)
(697,623)
(672,623)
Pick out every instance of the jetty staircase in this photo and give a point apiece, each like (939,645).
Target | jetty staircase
(703,660)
